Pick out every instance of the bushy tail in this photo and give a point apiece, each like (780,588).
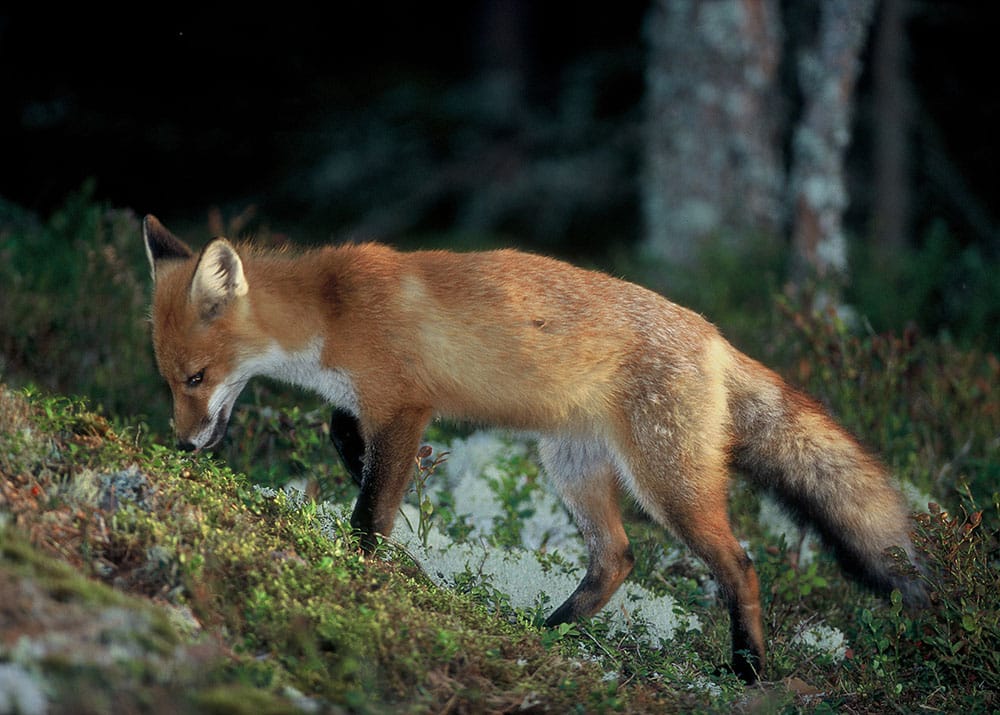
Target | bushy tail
(785,442)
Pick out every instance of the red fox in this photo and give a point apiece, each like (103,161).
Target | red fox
(626,391)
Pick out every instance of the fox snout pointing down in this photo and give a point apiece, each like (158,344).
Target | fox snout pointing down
(202,373)
(628,393)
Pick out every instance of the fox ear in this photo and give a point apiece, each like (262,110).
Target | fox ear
(218,279)
(161,245)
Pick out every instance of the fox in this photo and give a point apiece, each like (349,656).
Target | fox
(628,394)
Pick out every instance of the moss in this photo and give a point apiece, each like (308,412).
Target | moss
(95,648)
(55,579)
(242,700)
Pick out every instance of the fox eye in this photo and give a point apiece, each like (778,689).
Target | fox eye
(195,379)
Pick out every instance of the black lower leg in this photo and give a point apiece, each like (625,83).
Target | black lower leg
(362,521)
(747,659)
(345,433)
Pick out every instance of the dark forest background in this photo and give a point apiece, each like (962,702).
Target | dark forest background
(490,122)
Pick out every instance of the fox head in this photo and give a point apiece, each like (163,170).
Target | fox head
(200,318)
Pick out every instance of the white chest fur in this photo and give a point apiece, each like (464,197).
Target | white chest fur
(304,368)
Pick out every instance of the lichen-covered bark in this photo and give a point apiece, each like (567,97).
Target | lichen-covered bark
(827,73)
(713,159)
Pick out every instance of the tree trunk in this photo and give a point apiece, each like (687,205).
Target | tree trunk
(713,159)
(893,123)
(828,73)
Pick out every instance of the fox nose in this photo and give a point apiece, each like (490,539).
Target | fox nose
(185,446)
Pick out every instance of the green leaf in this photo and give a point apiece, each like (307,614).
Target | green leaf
(969,623)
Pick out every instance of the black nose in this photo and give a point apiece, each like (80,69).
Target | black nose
(185,446)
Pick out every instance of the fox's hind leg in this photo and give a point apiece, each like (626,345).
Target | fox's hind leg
(586,480)
(709,535)
(691,498)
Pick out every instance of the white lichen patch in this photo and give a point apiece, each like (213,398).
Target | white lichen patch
(21,691)
(823,639)
(776,521)
(539,572)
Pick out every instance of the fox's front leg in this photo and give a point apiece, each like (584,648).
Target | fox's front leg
(345,433)
(388,468)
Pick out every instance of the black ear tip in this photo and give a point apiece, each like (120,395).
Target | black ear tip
(160,242)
